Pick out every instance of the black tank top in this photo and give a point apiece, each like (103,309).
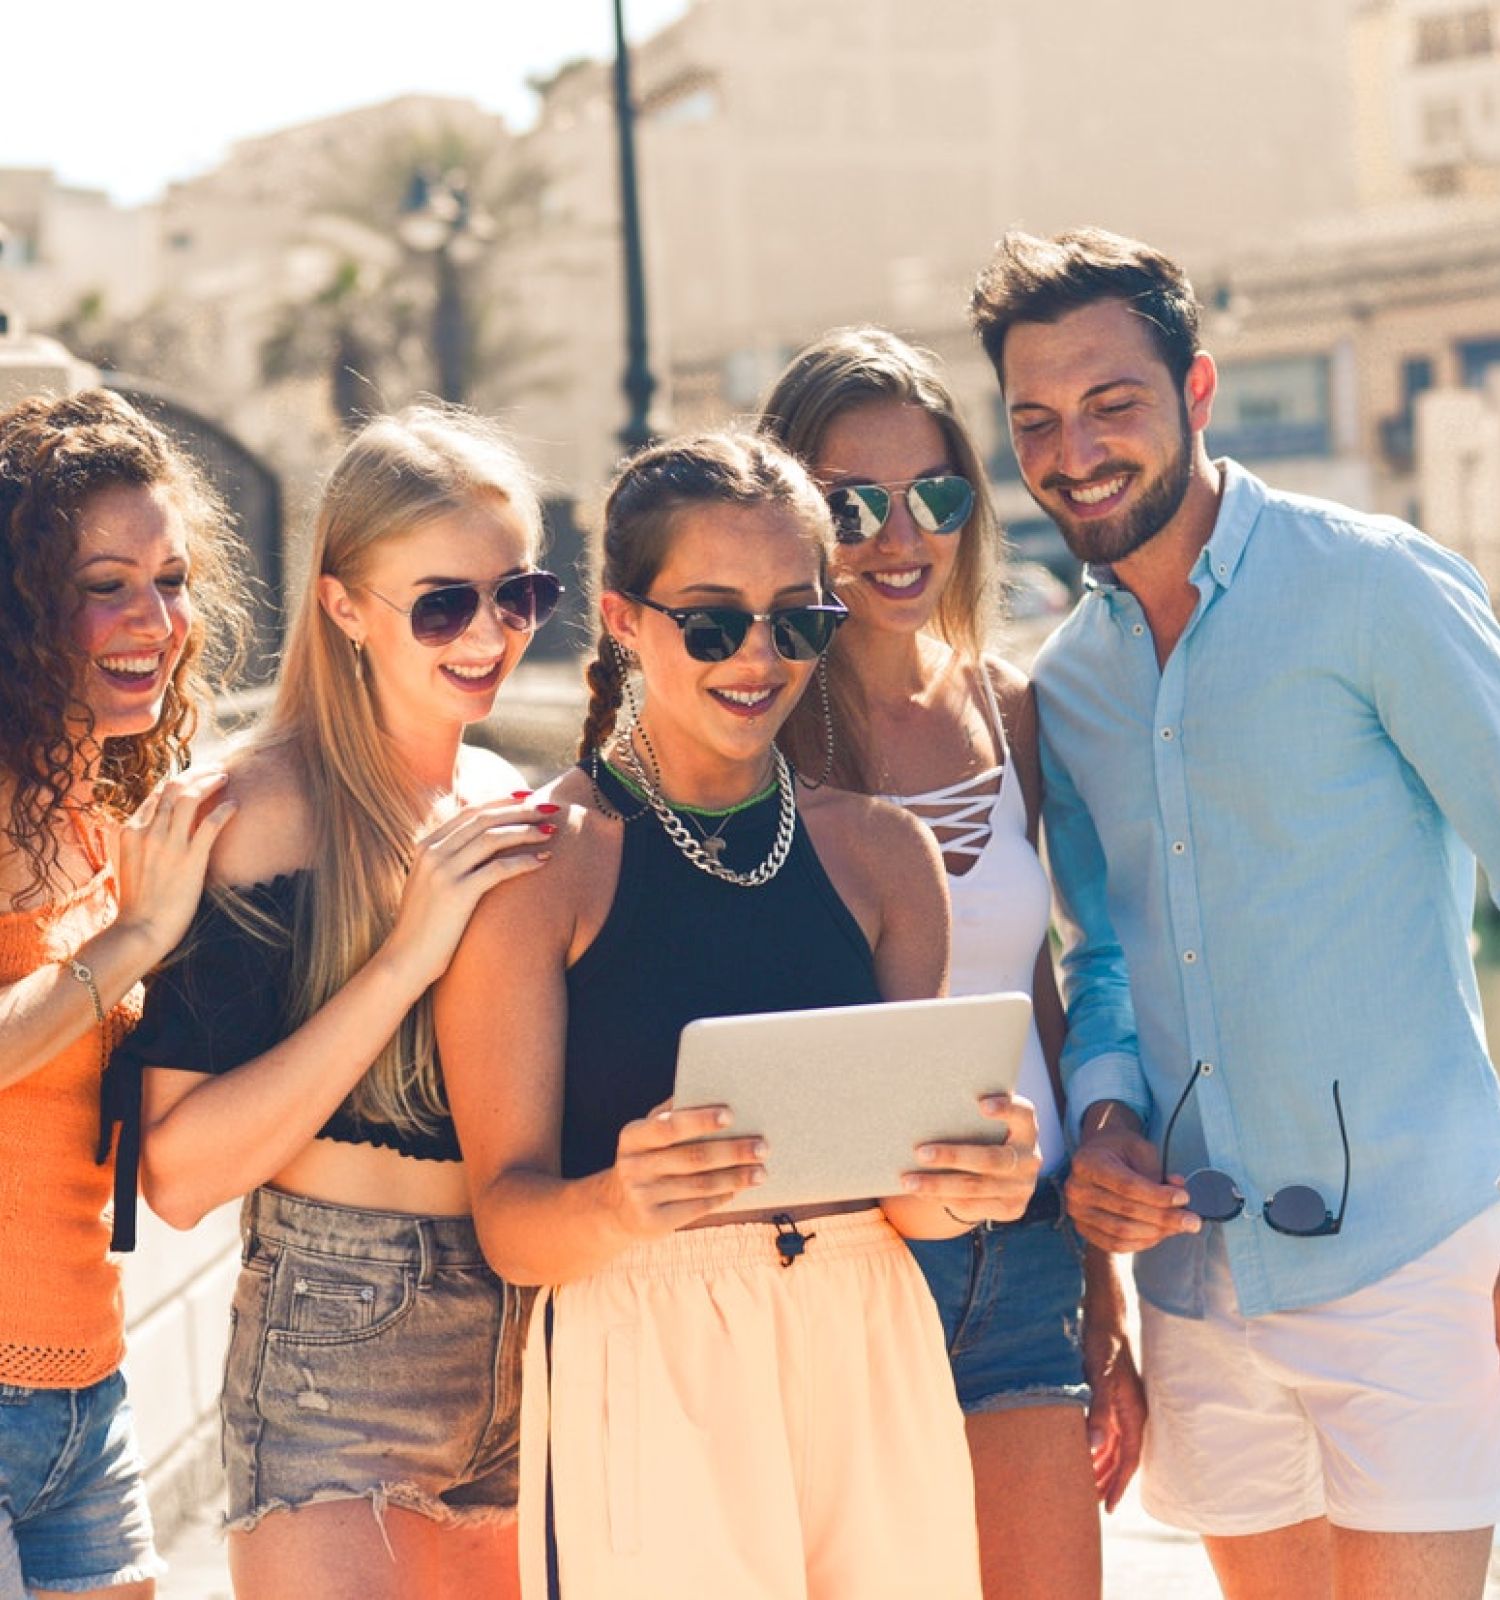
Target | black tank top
(677,945)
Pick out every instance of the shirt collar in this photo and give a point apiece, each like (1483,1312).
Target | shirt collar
(1239,508)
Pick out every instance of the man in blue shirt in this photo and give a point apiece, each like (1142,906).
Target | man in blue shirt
(1271,747)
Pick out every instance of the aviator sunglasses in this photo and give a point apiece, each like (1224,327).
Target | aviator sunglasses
(1297,1210)
(937,505)
(714,633)
(524,600)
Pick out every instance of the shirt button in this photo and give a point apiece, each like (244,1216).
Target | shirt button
(1223,570)
(1178,847)
(1206,1067)
(1166,733)
(1190,956)
(1138,630)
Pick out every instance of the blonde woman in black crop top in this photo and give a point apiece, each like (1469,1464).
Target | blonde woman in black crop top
(711,1407)
(371,1387)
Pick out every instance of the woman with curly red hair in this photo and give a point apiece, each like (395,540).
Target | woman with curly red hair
(114,555)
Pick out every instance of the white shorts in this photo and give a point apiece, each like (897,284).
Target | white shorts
(1380,1410)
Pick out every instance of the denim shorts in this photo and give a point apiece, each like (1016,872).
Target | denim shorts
(73,1512)
(1009,1295)
(372,1355)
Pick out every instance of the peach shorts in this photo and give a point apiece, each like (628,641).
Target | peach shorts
(724,1425)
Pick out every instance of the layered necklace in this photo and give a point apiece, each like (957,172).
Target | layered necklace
(704,851)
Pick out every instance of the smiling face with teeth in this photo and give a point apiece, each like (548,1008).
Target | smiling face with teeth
(711,723)
(897,578)
(421,690)
(1109,446)
(134,612)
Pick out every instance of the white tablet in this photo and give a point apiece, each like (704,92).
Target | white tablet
(843,1095)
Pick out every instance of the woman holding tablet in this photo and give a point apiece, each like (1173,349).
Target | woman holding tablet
(370,1400)
(749,1407)
(920,714)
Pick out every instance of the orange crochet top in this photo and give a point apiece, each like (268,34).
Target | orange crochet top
(62,1320)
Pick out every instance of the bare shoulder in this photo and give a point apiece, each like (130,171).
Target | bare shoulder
(271,829)
(880,838)
(486,775)
(550,904)
(1012,687)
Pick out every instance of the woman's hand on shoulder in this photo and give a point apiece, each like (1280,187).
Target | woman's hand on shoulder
(455,865)
(163,853)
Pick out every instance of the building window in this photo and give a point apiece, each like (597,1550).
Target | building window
(1452,35)
(1442,121)
(1272,409)
(1477,359)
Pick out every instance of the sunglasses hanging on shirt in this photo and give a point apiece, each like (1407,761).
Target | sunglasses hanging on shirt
(1298,1209)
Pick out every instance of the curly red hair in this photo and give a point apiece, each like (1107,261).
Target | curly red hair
(54,456)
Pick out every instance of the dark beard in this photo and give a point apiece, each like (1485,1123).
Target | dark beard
(1110,540)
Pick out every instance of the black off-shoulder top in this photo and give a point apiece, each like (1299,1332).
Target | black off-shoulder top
(219,1002)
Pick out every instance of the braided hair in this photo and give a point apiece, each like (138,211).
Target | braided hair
(649,493)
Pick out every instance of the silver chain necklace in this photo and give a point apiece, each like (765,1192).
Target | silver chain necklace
(704,859)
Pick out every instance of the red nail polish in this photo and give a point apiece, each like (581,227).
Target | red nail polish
(548,810)
(545,827)
(520,794)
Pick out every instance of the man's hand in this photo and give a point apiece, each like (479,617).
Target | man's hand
(1115,1196)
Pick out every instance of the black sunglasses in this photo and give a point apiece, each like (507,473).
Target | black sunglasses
(1298,1210)
(524,600)
(937,505)
(714,633)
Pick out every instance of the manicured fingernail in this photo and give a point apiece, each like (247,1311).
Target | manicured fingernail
(723,1117)
(1180,1197)
(926,1152)
(910,1182)
(545,827)
(758,1176)
(548,810)
(520,794)
(1192,1224)
(542,855)
(995,1102)
(760,1150)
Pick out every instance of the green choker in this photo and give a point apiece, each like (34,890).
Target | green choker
(698,811)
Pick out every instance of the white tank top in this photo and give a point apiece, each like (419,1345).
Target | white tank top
(1002,902)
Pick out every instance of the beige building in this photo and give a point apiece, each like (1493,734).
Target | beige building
(1426,78)
(806,163)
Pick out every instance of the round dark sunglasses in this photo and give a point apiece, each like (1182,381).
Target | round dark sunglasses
(714,633)
(1298,1209)
(937,505)
(524,600)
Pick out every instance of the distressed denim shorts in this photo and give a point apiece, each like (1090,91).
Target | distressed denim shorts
(372,1355)
(73,1513)
(1009,1294)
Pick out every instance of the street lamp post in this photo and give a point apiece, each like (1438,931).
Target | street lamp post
(438,219)
(638,382)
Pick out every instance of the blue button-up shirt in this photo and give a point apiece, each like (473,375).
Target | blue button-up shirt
(1264,858)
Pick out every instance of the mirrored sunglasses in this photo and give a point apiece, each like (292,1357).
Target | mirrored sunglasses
(937,505)
(714,633)
(525,600)
(1298,1209)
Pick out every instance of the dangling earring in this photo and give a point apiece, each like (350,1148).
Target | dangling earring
(624,662)
(827,707)
(359,660)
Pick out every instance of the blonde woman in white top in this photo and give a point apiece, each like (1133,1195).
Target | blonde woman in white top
(913,708)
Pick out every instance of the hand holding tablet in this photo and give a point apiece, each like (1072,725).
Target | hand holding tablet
(842,1097)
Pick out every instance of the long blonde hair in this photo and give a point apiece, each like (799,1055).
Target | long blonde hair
(855,367)
(396,474)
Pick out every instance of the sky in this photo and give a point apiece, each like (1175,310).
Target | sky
(127,98)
